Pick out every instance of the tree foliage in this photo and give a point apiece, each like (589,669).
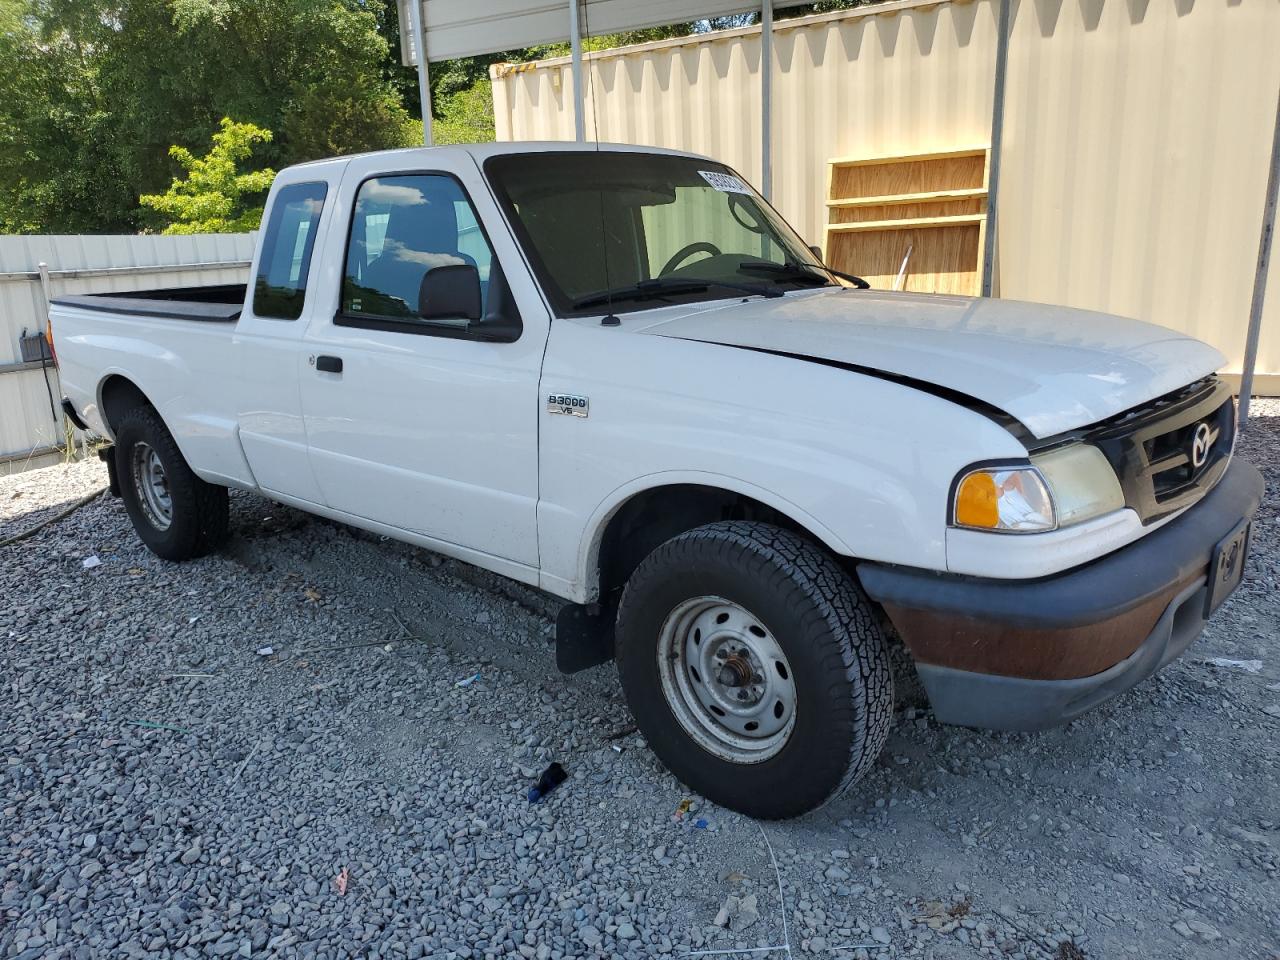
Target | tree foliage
(215,197)
(465,116)
(94,92)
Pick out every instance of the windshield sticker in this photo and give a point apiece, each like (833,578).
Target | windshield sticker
(724,182)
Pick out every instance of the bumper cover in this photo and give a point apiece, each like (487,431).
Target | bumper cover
(1027,655)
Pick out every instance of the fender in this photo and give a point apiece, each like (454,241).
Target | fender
(588,581)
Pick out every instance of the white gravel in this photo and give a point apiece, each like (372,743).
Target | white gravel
(169,792)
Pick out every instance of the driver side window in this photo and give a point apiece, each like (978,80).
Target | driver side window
(402,227)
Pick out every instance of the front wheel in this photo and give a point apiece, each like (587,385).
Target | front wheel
(176,514)
(755,668)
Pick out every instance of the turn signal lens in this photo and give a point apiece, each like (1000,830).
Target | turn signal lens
(1011,500)
(976,501)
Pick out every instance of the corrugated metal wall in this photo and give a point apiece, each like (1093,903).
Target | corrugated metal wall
(1136,141)
(85,265)
(1136,147)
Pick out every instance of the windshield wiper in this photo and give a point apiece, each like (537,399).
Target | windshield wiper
(798,271)
(659,287)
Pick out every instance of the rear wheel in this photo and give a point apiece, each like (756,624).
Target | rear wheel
(176,514)
(755,668)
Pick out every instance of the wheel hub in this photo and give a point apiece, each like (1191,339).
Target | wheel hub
(152,485)
(736,672)
(726,679)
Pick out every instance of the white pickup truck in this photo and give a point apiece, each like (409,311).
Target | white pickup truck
(617,374)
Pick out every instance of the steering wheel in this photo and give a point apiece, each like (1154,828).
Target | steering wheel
(688,250)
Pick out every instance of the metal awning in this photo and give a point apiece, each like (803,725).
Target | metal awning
(467,28)
(447,29)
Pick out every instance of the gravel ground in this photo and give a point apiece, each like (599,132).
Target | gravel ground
(171,790)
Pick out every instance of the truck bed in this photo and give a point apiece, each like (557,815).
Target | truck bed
(215,303)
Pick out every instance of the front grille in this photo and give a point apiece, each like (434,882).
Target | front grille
(1171,452)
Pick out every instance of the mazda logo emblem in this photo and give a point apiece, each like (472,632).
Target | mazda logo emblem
(1201,443)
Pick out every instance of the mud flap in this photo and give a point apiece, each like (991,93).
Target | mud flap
(107,455)
(584,636)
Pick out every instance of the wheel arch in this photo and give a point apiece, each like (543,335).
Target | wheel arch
(640,516)
(209,442)
(117,395)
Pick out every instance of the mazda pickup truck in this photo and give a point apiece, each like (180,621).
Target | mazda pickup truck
(617,375)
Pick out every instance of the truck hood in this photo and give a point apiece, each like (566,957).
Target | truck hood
(1052,368)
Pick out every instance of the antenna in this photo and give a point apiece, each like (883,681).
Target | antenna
(608,320)
(591,77)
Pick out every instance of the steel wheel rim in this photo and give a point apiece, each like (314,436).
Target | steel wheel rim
(726,679)
(152,484)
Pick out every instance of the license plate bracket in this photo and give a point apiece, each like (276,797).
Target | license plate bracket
(1226,565)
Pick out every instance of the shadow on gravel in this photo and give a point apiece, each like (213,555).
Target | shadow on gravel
(17,518)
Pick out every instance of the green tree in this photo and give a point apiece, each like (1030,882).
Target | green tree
(94,92)
(465,116)
(336,117)
(215,197)
(54,143)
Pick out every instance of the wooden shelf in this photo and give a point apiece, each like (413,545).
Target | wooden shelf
(910,221)
(908,198)
(924,223)
(908,158)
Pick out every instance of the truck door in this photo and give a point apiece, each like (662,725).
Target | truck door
(428,425)
(268,338)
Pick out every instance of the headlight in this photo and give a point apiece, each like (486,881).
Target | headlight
(1083,483)
(1061,487)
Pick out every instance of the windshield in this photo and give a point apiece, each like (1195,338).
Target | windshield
(630,231)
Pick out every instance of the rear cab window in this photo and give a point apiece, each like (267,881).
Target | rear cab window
(287,243)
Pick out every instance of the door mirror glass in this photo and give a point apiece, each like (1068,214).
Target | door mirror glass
(451,293)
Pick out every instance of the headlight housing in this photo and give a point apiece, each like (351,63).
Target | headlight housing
(1059,488)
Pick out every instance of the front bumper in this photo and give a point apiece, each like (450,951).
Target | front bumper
(1028,655)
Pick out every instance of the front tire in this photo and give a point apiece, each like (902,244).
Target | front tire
(176,514)
(755,668)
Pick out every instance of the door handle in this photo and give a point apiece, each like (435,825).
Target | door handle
(329,364)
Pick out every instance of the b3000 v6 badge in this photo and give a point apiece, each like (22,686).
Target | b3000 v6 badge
(568,403)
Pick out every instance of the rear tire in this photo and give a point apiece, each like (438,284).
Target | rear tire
(755,668)
(176,514)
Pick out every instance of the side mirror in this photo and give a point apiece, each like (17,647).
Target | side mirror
(450,293)
(816,251)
